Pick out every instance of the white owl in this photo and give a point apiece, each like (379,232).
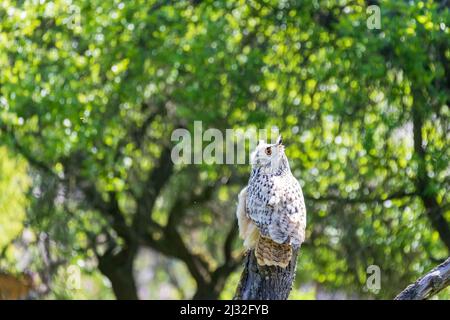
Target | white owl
(271,210)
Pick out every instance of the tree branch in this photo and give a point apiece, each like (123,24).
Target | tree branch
(32,160)
(151,190)
(220,275)
(337,198)
(227,248)
(423,182)
(171,244)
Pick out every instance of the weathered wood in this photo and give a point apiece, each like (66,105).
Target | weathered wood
(265,283)
(428,285)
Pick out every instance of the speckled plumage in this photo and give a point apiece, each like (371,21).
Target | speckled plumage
(272,206)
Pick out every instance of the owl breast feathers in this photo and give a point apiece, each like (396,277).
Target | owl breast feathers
(271,213)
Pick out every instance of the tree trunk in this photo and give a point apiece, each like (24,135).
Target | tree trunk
(118,268)
(430,284)
(213,289)
(206,293)
(123,285)
(423,182)
(265,283)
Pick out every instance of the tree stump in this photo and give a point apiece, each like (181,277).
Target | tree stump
(265,282)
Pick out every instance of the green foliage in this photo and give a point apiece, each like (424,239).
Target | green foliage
(90,92)
(14,184)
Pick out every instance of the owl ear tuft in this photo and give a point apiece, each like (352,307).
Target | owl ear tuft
(279,140)
(260,142)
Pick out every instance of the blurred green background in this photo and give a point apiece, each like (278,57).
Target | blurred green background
(92,207)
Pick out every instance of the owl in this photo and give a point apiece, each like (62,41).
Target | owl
(271,210)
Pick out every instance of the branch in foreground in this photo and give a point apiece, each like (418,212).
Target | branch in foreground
(429,285)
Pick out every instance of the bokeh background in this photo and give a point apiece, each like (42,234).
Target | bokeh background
(91,205)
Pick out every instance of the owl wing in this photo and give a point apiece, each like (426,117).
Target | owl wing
(277,208)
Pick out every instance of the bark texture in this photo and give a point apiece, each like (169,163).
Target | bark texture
(118,268)
(263,282)
(430,284)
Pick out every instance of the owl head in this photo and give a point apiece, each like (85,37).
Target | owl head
(270,156)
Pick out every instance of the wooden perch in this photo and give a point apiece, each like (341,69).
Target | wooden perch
(428,285)
(265,283)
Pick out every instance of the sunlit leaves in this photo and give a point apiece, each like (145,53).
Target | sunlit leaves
(80,79)
(14,184)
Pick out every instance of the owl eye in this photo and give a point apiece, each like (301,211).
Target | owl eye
(268,151)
